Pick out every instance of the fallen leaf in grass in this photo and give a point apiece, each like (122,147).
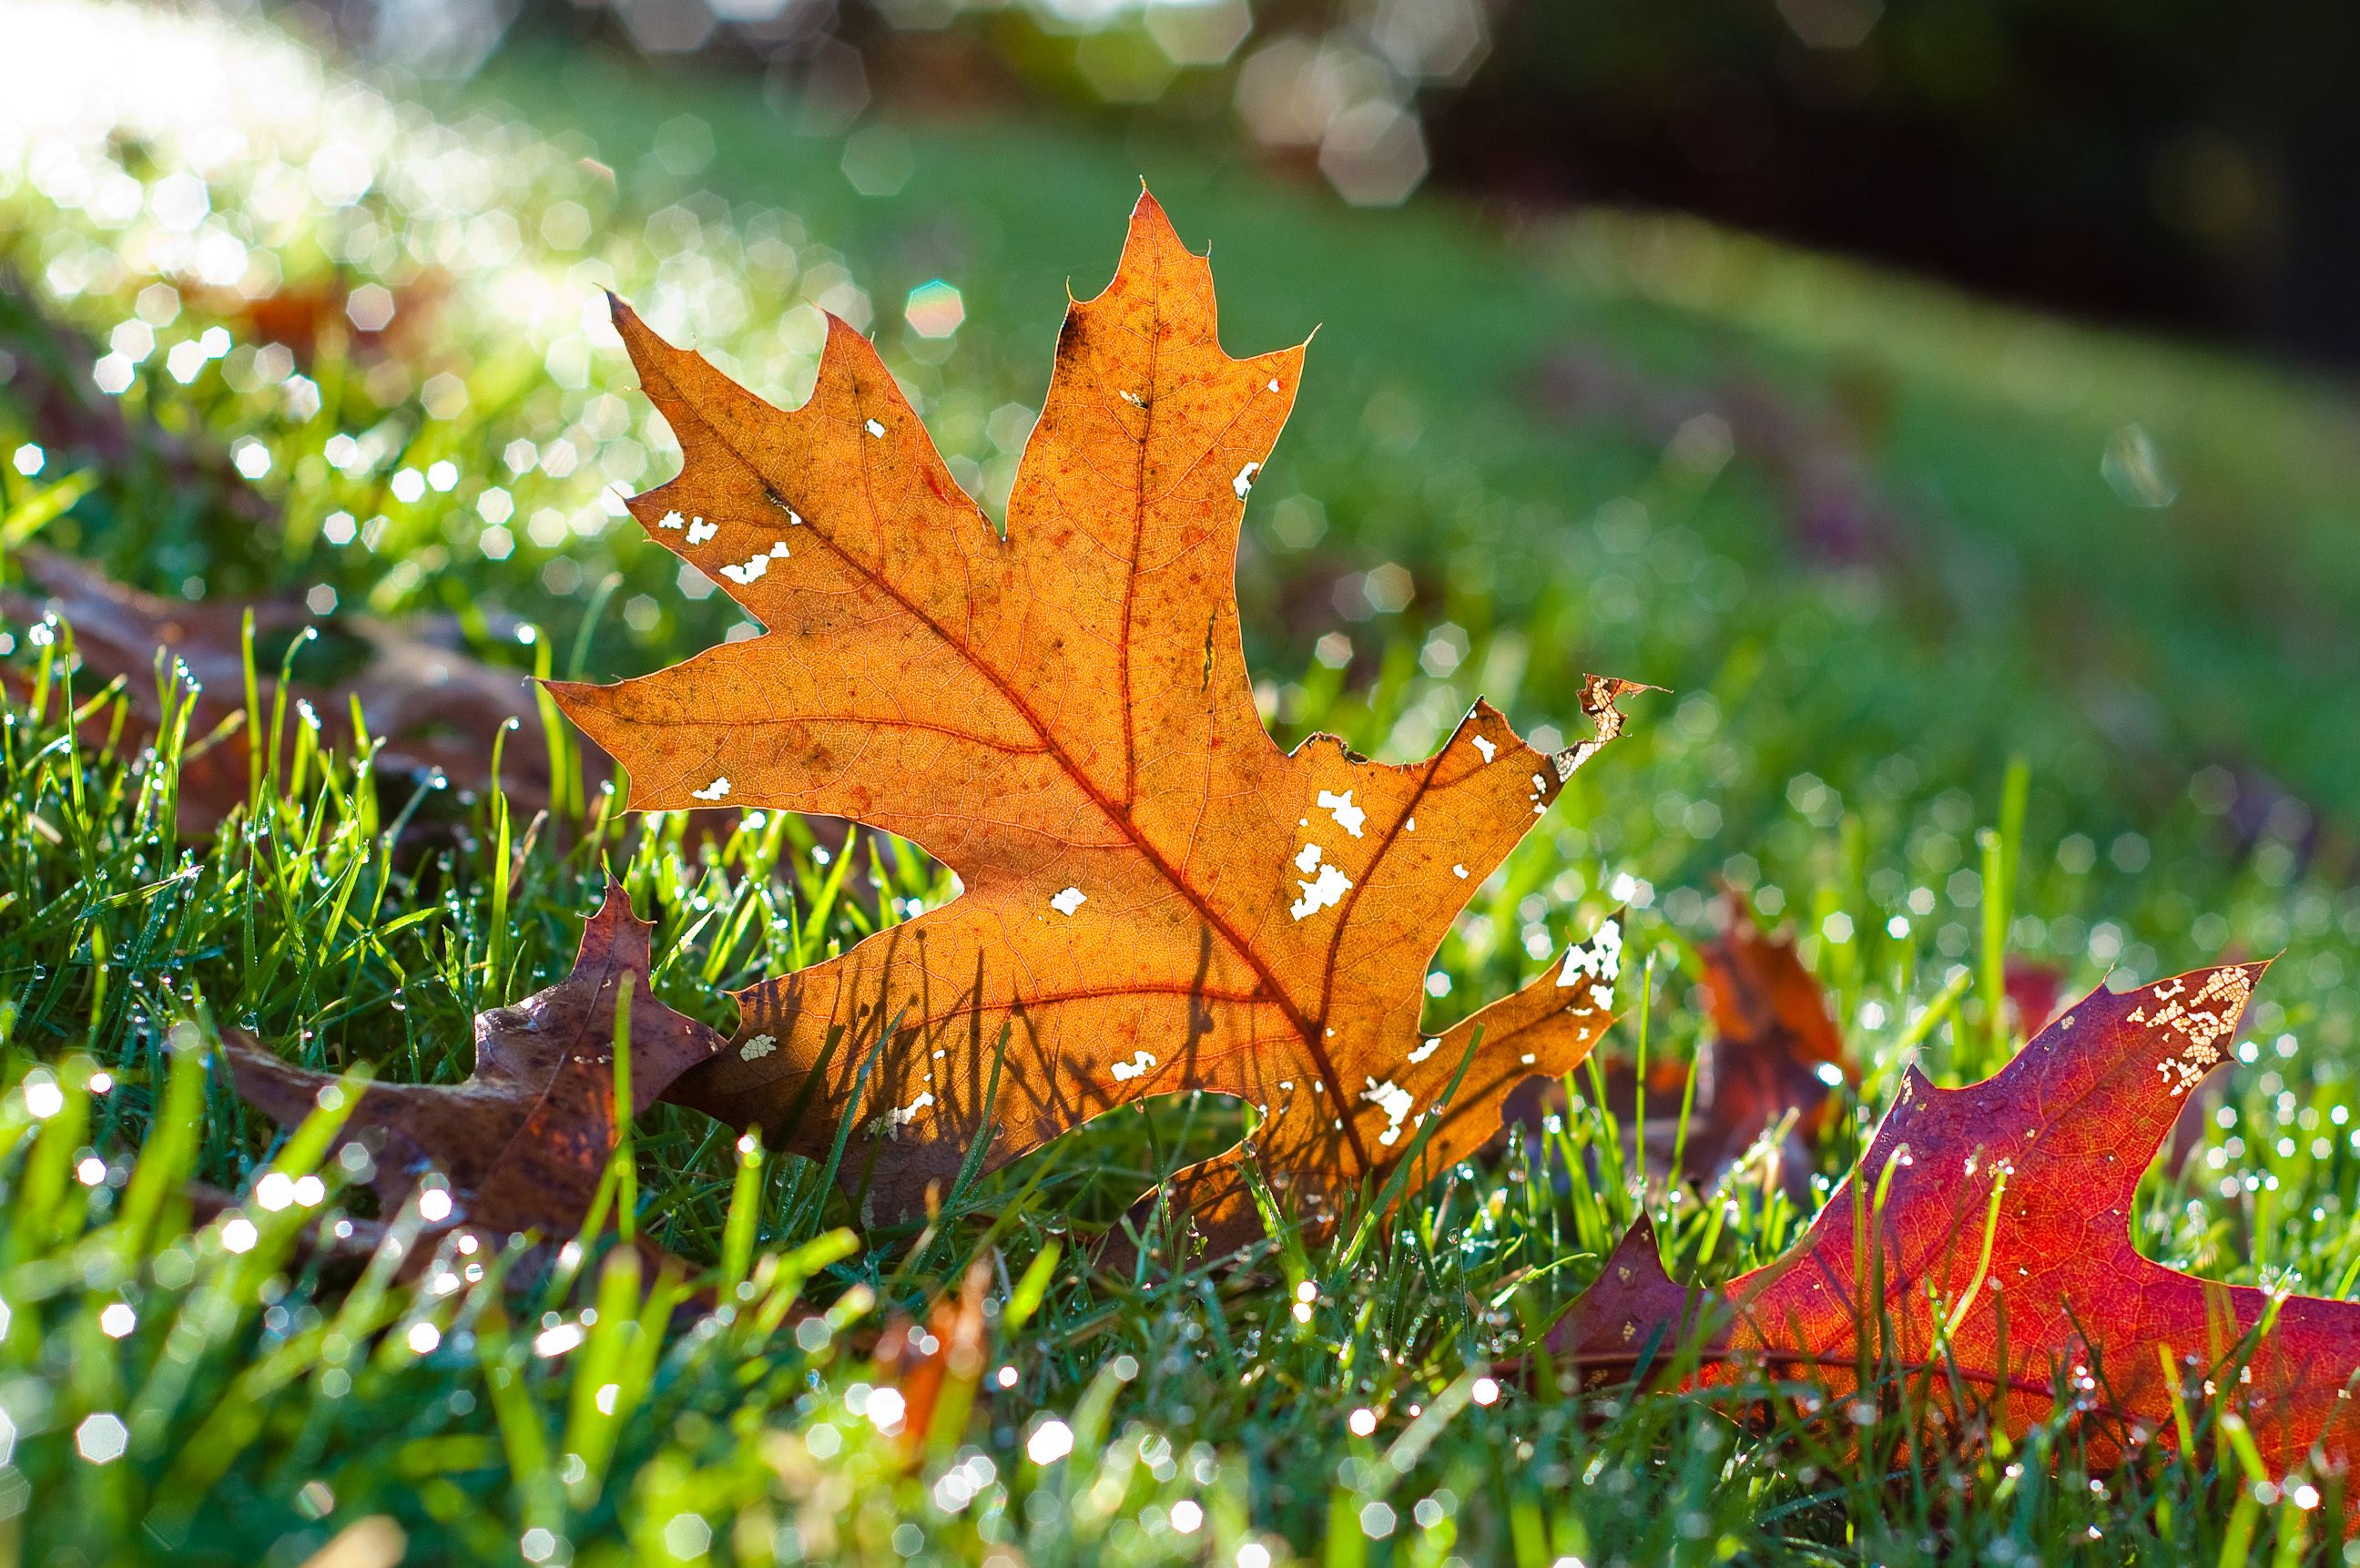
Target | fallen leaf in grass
(1156,897)
(1773,1044)
(435,709)
(299,314)
(936,1369)
(2011,1200)
(523,1143)
(53,389)
(1771,1047)
(432,705)
(2034,990)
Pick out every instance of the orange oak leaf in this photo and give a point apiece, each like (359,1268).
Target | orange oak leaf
(522,1144)
(2013,1197)
(1155,897)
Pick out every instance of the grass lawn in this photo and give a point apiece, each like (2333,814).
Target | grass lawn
(1878,541)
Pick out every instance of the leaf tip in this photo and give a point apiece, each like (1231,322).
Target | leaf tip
(1152,230)
(1627,1313)
(616,903)
(571,697)
(1599,695)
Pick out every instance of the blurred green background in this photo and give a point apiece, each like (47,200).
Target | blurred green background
(2186,165)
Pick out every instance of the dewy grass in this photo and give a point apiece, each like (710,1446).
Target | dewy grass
(204,1390)
(185,1383)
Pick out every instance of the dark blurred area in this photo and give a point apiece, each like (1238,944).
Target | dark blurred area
(2181,163)
(2175,164)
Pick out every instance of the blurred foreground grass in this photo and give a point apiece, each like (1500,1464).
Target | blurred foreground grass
(1878,539)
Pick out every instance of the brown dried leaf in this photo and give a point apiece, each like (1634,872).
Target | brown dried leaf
(1771,1038)
(434,709)
(523,1142)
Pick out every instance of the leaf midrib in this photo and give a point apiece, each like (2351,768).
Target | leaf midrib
(1306,1030)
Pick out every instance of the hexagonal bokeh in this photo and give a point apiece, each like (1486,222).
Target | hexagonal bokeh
(1292,89)
(1197,32)
(100,1439)
(1832,23)
(1374,154)
(877,162)
(1123,65)
(935,310)
(1444,40)
(667,27)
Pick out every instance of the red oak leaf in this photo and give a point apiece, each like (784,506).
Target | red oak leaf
(2012,1198)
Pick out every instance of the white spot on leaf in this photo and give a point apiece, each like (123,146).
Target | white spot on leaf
(900,1116)
(875,429)
(1135,1068)
(1601,959)
(2202,1020)
(671,520)
(712,791)
(757,1048)
(1394,1101)
(745,574)
(1459,871)
(1244,481)
(1486,747)
(700,530)
(1424,1051)
(1340,807)
(1325,893)
(1065,903)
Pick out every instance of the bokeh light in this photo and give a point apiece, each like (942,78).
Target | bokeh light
(935,310)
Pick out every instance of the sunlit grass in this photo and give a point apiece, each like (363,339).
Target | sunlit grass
(260,1403)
